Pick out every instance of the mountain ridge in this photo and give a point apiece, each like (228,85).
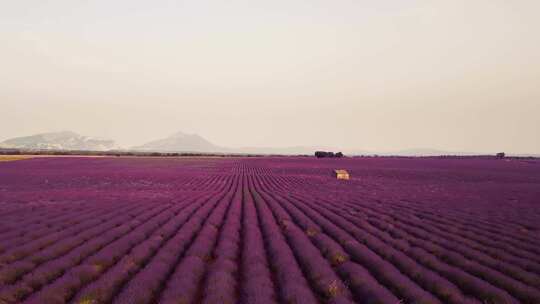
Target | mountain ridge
(179,142)
(63,140)
(194,143)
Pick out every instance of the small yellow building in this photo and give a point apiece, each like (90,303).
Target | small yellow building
(341,174)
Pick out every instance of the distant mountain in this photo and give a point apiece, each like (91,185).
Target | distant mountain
(183,142)
(180,142)
(65,140)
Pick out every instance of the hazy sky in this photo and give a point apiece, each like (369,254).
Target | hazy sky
(459,75)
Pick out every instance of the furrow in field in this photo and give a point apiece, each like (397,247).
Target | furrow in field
(525,293)
(12,272)
(495,259)
(105,287)
(19,252)
(470,228)
(502,223)
(319,272)
(63,288)
(51,270)
(147,285)
(291,283)
(425,278)
(184,284)
(40,225)
(469,284)
(515,256)
(258,282)
(221,282)
(385,272)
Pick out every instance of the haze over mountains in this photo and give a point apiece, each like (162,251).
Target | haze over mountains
(177,142)
(180,142)
(65,140)
(184,142)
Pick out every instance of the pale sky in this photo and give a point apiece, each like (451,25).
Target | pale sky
(459,75)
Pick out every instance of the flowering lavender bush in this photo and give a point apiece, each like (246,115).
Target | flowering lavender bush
(269,230)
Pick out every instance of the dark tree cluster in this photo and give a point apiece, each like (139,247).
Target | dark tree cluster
(323,154)
(500,155)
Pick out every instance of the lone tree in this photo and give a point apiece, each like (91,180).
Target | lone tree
(322,154)
(500,155)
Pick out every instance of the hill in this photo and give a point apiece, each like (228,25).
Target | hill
(65,140)
(180,142)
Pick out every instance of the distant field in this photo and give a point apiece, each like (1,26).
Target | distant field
(4,158)
(269,230)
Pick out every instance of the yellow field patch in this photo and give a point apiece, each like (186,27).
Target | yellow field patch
(12,157)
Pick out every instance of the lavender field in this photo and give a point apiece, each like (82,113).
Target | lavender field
(269,230)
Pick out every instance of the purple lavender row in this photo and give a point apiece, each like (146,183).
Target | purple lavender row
(9,209)
(45,213)
(524,248)
(385,272)
(470,285)
(146,285)
(36,218)
(501,238)
(467,282)
(524,293)
(217,183)
(36,225)
(361,283)
(35,230)
(318,270)
(66,286)
(221,282)
(301,218)
(51,270)
(492,223)
(450,246)
(185,281)
(291,283)
(508,261)
(257,285)
(12,272)
(488,228)
(201,184)
(430,280)
(42,228)
(516,268)
(110,283)
(20,252)
(484,242)
(444,239)
(20,211)
(370,289)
